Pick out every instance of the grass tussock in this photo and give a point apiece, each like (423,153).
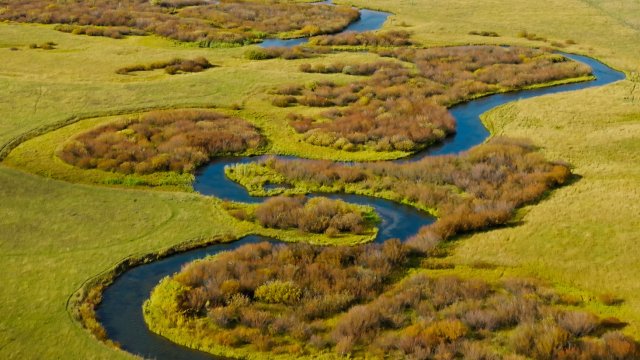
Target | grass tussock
(171,67)
(176,141)
(348,301)
(235,22)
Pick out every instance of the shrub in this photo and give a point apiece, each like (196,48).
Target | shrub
(171,67)
(283,101)
(610,299)
(484,33)
(367,38)
(578,323)
(316,215)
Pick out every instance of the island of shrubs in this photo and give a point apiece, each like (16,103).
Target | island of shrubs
(358,302)
(170,140)
(205,22)
(314,215)
(402,105)
(475,190)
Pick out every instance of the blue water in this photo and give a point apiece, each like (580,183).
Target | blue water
(120,311)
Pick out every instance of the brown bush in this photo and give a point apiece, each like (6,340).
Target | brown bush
(315,215)
(349,69)
(578,323)
(610,299)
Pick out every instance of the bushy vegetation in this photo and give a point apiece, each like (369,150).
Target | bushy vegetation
(302,300)
(402,107)
(475,190)
(349,69)
(171,67)
(115,32)
(177,140)
(484,33)
(531,36)
(314,215)
(194,21)
(49,45)
(367,38)
(283,52)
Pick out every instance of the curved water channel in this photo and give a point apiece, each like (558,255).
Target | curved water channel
(121,309)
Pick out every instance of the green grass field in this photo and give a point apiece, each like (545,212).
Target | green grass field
(55,235)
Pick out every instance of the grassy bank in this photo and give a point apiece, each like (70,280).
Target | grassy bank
(585,234)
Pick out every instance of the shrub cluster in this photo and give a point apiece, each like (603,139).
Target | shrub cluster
(367,38)
(283,52)
(314,215)
(484,33)
(299,299)
(471,191)
(50,45)
(531,36)
(171,67)
(177,140)
(194,21)
(401,107)
(314,282)
(349,69)
(115,32)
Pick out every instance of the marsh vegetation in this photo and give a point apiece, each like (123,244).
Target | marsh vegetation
(206,23)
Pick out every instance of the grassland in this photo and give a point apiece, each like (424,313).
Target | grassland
(54,235)
(585,234)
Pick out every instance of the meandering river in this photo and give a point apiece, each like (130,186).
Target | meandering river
(121,309)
